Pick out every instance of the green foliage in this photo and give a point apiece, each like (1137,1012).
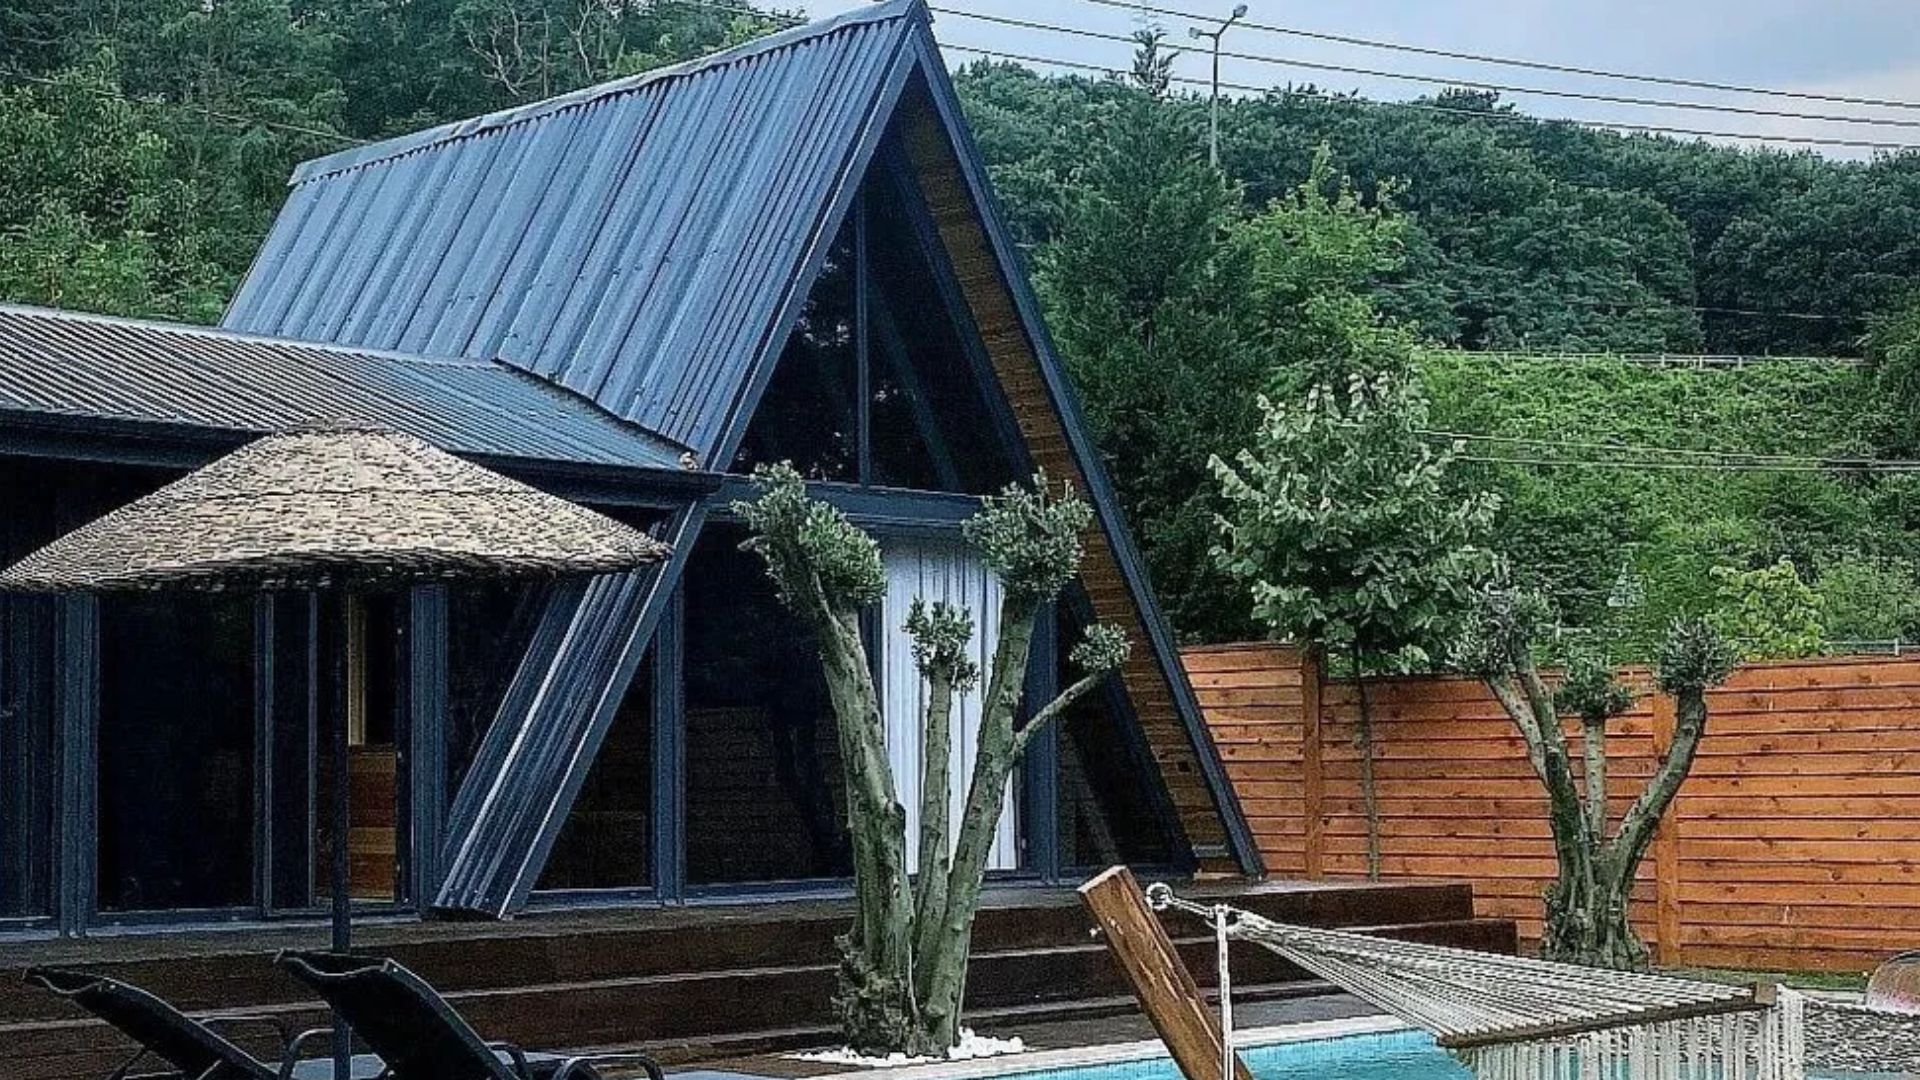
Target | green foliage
(941,633)
(92,215)
(1893,347)
(802,538)
(1104,647)
(1626,550)
(1146,292)
(1867,598)
(1693,656)
(1767,612)
(1501,628)
(1340,522)
(1030,538)
(1591,690)
(1313,254)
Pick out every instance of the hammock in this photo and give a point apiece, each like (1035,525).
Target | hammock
(1511,1018)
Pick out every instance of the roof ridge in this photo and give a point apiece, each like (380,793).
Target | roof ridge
(401,145)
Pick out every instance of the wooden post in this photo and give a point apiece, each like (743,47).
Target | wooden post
(1666,849)
(1313,784)
(1160,980)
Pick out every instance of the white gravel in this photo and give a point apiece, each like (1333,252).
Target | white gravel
(970,1046)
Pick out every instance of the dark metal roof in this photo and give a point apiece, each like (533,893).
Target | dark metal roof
(635,242)
(64,365)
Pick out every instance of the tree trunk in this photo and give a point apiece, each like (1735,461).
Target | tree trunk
(930,884)
(876,1001)
(1593,738)
(1587,915)
(943,968)
(1369,788)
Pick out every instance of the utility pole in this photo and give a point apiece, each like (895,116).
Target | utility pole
(1213,102)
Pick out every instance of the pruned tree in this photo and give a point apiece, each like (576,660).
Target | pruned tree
(1339,520)
(904,963)
(1586,906)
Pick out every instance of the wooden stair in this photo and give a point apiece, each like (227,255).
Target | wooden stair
(692,983)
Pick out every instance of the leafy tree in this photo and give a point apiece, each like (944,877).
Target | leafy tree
(1870,598)
(91,214)
(1145,290)
(1893,347)
(903,973)
(1587,904)
(1339,520)
(1769,613)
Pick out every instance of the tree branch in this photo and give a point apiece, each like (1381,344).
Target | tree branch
(1643,817)
(1052,710)
(1593,739)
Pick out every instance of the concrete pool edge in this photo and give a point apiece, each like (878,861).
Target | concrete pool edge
(1076,1057)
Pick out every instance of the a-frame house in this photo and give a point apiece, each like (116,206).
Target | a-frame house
(629,295)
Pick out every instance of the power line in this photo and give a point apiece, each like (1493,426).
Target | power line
(1682,466)
(1434,80)
(216,114)
(1694,457)
(1535,65)
(1424,106)
(1633,306)
(1695,361)
(770,16)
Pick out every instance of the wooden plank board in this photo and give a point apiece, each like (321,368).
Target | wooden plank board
(1160,979)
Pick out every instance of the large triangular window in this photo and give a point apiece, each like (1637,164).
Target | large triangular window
(882,380)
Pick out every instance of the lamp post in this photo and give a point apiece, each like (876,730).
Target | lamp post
(1213,104)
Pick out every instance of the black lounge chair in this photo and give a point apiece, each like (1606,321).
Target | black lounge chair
(420,1036)
(185,1048)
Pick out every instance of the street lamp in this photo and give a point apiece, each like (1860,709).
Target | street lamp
(1213,104)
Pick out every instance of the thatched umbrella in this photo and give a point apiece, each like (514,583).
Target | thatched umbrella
(341,508)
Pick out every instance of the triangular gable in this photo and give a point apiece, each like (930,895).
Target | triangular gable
(940,160)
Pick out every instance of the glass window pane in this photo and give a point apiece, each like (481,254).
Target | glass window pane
(176,752)
(27,756)
(489,626)
(765,794)
(41,499)
(607,842)
(932,428)
(807,413)
(293,754)
(1110,808)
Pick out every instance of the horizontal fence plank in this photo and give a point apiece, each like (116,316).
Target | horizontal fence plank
(1795,841)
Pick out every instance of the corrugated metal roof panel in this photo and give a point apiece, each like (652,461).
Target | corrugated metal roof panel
(633,242)
(65,364)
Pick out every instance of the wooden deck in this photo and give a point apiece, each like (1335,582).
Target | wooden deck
(691,983)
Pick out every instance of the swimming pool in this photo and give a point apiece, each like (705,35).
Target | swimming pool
(1369,1048)
(1386,1055)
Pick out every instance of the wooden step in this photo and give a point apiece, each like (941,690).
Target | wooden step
(727,980)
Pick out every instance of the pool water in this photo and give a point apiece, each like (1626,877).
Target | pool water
(1393,1055)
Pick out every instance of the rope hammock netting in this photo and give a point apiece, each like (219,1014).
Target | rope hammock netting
(1512,1018)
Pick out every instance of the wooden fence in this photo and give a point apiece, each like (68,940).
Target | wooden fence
(1795,844)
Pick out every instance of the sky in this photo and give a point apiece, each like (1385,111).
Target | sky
(1855,48)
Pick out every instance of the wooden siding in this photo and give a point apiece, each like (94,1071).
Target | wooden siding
(1014,361)
(1795,844)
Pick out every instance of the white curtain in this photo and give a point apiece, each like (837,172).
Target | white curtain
(935,570)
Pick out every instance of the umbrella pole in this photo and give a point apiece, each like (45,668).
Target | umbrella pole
(350,674)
